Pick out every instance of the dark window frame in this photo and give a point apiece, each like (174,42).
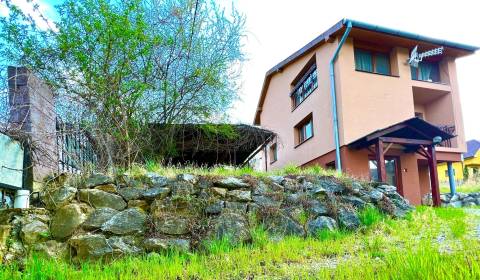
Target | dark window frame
(300,130)
(273,152)
(398,170)
(309,71)
(373,54)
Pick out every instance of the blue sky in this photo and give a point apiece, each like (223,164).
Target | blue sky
(278,28)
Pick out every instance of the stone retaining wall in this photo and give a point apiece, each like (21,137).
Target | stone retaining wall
(105,217)
(457,200)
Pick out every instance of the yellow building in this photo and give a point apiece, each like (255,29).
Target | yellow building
(471,162)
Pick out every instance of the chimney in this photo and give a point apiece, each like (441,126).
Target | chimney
(32,113)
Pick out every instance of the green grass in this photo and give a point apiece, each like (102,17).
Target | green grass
(370,216)
(385,249)
(468,187)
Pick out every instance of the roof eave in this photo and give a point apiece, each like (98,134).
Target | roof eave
(409,35)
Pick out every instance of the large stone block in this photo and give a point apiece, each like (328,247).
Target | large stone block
(57,198)
(129,221)
(91,246)
(98,198)
(66,220)
(98,217)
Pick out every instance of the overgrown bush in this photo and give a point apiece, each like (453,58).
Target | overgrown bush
(116,67)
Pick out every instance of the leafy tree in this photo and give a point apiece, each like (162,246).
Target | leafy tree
(117,66)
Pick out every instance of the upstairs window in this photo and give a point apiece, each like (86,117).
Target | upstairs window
(426,71)
(371,61)
(304,130)
(305,86)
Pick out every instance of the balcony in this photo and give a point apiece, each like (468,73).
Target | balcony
(430,88)
(448,129)
(429,75)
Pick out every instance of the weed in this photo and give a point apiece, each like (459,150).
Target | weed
(326,234)
(302,217)
(260,237)
(370,216)
(216,246)
(373,246)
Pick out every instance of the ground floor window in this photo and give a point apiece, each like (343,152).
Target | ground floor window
(390,168)
(273,153)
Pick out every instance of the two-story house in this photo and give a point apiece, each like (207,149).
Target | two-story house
(374,102)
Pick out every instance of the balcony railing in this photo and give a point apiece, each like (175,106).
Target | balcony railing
(448,129)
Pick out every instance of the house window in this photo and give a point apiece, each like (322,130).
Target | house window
(330,165)
(446,173)
(305,86)
(273,153)
(373,62)
(304,130)
(426,71)
(391,170)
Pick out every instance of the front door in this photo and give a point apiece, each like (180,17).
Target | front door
(391,168)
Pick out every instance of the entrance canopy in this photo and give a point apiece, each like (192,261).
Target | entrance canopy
(411,134)
(415,135)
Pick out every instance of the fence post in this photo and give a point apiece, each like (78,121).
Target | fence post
(32,112)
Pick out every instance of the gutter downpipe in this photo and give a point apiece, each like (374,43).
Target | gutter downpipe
(338,161)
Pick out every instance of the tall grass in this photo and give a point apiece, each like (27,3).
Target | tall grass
(370,216)
(174,170)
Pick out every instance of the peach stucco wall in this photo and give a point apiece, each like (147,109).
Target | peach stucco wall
(368,102)
(277,114)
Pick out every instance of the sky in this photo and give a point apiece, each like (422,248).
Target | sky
(277,28)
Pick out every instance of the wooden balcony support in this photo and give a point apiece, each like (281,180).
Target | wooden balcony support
(432,165)
(382,174)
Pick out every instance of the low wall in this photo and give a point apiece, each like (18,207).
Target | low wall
(457,200)
(101,217)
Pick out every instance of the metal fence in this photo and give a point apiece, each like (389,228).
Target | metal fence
(75,149)
(448,129)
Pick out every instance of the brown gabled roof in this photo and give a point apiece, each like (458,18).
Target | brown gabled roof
(277,68)
(339,26)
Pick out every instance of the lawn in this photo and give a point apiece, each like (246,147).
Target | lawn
(469,187)
(429,244)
